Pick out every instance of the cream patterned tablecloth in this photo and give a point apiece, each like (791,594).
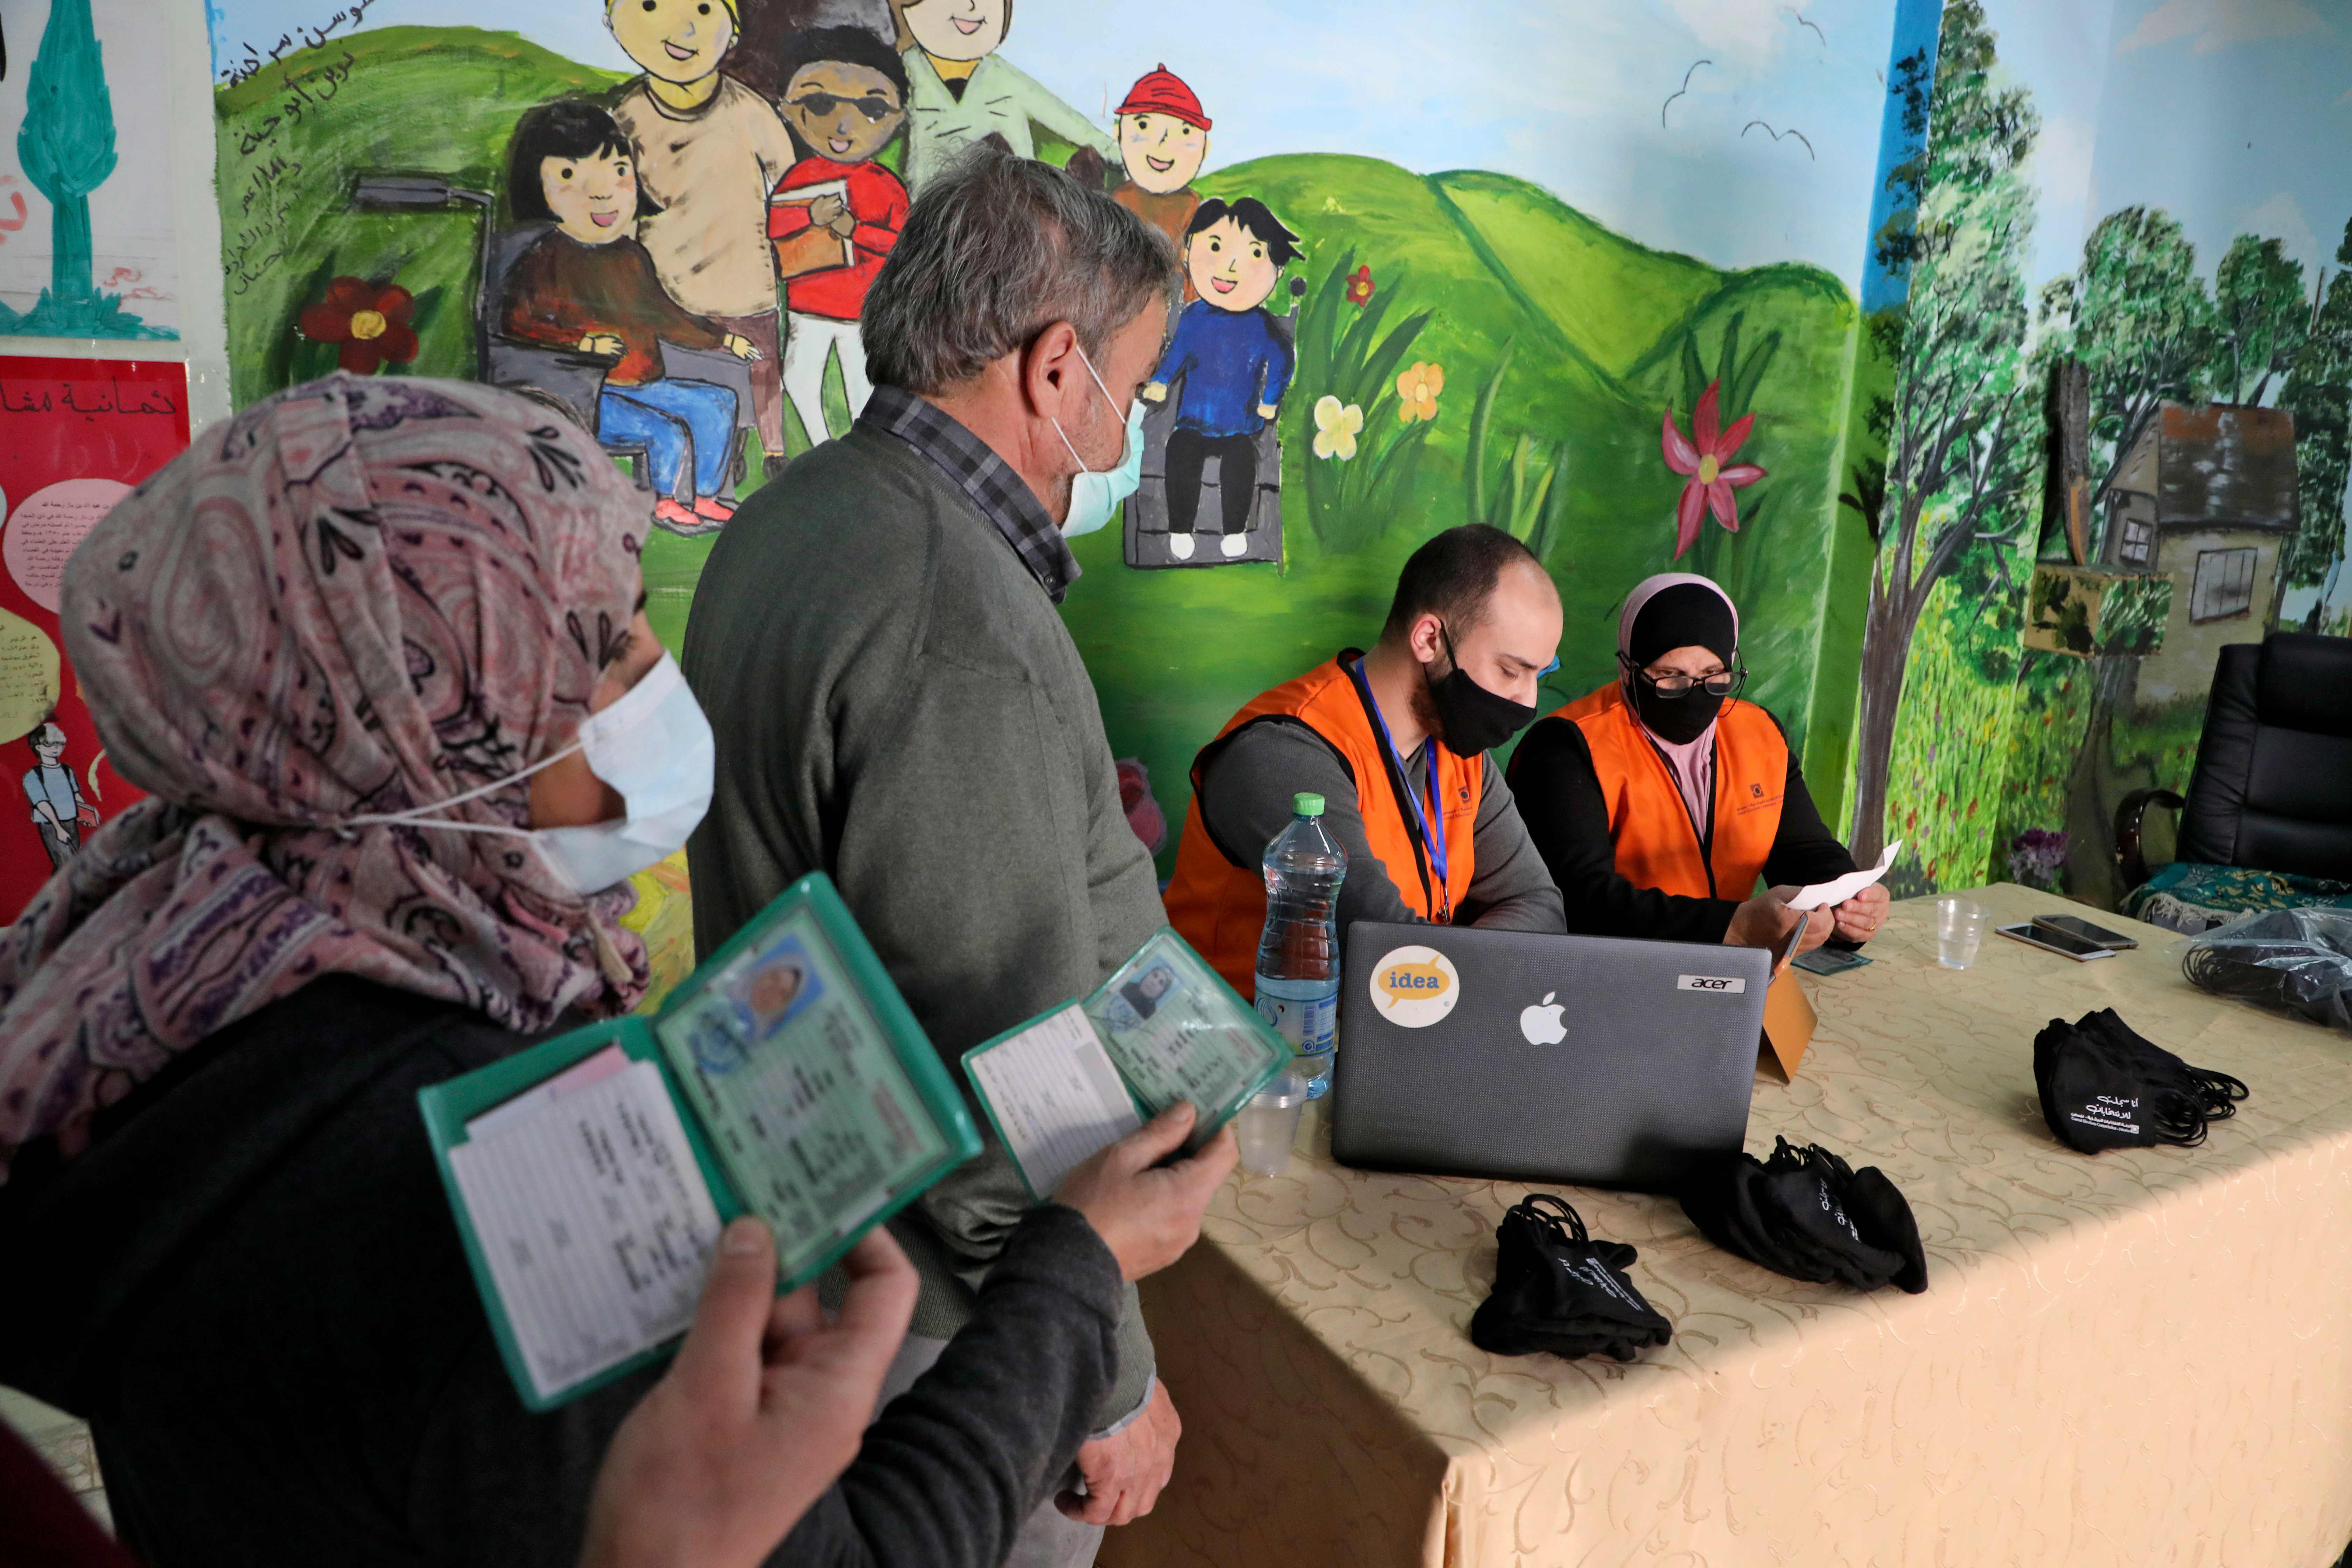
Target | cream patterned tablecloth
(2137,1359)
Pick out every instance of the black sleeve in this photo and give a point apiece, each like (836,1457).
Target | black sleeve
(953,1467)
(1560,801)
(1804,851)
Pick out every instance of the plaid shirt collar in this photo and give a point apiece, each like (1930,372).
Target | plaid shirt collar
(1002,495)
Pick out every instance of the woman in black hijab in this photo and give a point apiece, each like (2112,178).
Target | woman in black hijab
(1660,800)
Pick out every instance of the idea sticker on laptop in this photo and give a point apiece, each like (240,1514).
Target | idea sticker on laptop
(1413,987)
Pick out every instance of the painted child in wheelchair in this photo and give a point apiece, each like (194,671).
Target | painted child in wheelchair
(589,286)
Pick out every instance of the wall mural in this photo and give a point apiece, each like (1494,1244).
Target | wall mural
(1605,297)
(86,232)
(2118,440)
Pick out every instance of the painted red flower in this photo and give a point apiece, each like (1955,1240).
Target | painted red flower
(1143,812)
(1359,286)
(1705,458)
(367,322)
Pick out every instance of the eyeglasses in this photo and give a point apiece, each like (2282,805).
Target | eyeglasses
(875,107)
(1722,683)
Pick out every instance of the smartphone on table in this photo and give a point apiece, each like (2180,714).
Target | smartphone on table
(2083,931)
(1830,961)
(2080,949)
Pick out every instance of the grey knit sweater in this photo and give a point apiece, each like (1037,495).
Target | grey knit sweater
(898,703)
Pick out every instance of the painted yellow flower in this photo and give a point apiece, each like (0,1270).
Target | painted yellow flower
(1417,390)
(1334,428)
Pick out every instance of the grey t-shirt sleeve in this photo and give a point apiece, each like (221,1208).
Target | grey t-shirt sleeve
(1512,889)
(1246,802)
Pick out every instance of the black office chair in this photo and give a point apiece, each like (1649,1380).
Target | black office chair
(2271,792)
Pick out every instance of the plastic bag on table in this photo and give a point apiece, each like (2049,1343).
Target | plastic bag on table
(2299,960)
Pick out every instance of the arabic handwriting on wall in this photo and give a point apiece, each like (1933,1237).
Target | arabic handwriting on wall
(344,19)
(256,249)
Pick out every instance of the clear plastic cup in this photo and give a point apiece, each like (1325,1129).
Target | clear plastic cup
(1960,926)
(1268,1125)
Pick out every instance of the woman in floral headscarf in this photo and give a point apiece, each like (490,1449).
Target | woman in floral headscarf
(347,644)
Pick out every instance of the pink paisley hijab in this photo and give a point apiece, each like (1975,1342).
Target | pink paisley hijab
(358,596)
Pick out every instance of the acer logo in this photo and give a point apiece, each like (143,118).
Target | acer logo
(1722,983)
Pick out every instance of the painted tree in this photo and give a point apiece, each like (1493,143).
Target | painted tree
(66,143)
(2261,318)
(1965,430)
(2137,315)
(2318,393)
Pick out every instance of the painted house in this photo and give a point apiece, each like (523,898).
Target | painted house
(2207,496)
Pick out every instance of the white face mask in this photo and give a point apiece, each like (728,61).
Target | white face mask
(654,747)
(1093,496)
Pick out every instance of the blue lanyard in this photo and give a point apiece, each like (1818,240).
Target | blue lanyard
(1435,842)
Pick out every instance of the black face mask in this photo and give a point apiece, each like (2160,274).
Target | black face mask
(1470,719)
(1680,720)
(2105,1086)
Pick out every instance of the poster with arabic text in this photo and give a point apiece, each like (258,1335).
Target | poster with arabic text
(75,435)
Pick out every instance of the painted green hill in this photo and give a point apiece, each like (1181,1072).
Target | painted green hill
(1611,299)
(418,100)
(1503,261)
(1595,324)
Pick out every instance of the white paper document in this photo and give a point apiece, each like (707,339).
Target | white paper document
(1056,1097)
(1822,895)
(595,1221)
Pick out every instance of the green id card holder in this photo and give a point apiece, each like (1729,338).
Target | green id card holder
(804,1089)
(1169,1028)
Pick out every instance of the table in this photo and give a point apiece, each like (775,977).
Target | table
(2143,1357)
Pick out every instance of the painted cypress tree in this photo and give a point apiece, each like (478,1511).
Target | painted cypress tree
(66,145)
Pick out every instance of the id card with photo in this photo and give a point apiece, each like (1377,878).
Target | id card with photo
(1171,1028)
(797,1088)
(590,1174)
(1165,1026)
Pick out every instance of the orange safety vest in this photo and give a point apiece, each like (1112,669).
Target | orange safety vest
(1657,844)
(1218,902)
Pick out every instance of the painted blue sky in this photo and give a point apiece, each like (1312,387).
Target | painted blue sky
(2234,116)
(1567,93)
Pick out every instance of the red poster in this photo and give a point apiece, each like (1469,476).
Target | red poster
(75,435)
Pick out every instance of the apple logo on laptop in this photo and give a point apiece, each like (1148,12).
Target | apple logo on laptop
(1540,1024)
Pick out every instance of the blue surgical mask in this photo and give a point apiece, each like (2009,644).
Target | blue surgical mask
(1095,496)
(653,746)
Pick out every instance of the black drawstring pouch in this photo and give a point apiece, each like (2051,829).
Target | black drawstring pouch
(1558,1289)
(2105,1086)
(1806,1214)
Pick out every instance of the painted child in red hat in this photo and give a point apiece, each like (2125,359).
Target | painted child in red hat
(1163,137)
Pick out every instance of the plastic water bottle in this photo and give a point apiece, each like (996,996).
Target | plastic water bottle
(1298,957)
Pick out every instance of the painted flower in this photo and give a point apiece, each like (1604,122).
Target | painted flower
(2036,856)
(1417,390)
(367,322)
(1705,457)
(1336,425)
(1144,817)
(1359,287)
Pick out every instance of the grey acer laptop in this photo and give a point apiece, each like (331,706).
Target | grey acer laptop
(1600,1061)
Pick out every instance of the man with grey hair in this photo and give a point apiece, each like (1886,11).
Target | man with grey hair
(897,703)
